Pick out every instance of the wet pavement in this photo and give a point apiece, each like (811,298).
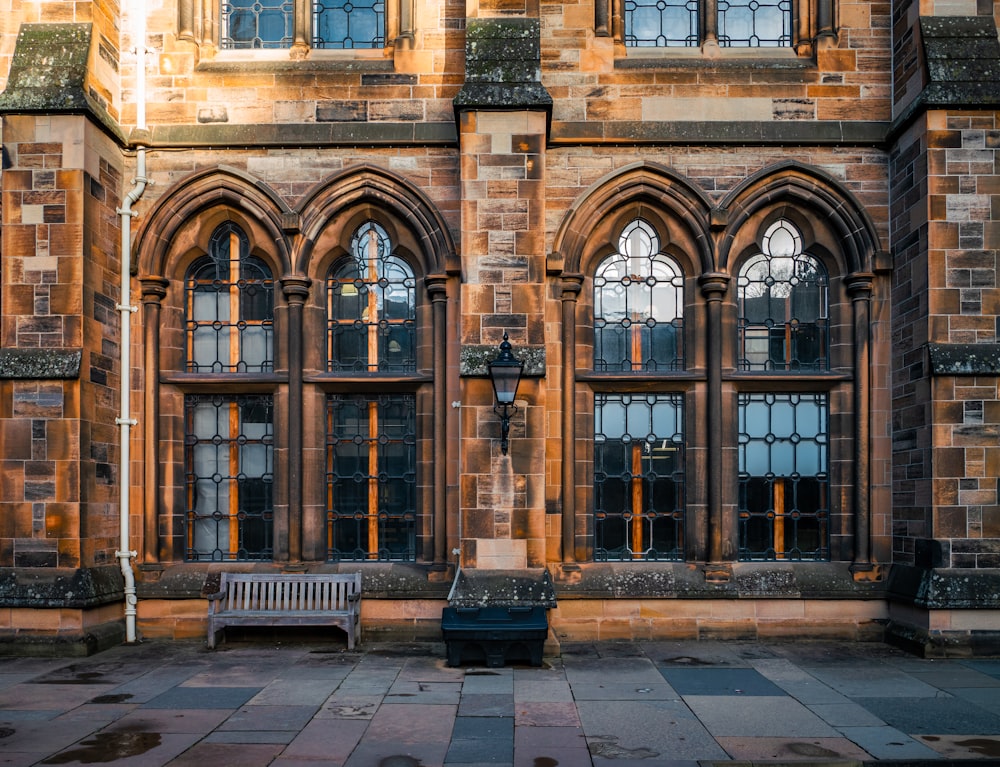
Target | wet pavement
(307,704)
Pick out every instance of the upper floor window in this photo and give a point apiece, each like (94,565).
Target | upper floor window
(677,23)
(783,306)
(335,24)
(638,306)
(371,308)
(229,308)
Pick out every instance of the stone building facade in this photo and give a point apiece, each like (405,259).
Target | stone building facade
(256,260)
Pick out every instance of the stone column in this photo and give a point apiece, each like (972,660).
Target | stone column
(719,528)
(154,290)
(859,287)
(296,291)
(571,287)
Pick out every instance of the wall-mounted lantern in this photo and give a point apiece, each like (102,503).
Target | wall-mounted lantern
(505,373)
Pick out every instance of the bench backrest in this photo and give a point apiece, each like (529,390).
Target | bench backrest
(265,592)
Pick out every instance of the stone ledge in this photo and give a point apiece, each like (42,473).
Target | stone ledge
(809,133)
(964,359)
(74,644)
(40,364)
(380,580)
(49,587)
(945,588)
(749,580)
(352,133)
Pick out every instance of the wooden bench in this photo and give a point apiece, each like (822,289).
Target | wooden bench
(263,599)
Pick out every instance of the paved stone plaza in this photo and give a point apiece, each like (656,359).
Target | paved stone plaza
(293,704)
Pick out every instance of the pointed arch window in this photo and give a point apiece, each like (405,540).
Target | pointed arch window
(229,308)
(639,441)
(638,306)
(783,306)
(371,476)
(371,308)
(229,439)
(784,435)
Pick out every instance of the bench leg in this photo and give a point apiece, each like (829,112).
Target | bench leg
(213,635)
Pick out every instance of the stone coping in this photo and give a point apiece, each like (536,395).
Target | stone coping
(964,359)
(40,364)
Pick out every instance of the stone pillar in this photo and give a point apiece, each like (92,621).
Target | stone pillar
(296,291)
(571,287)
(719,529)
(154,290)
(503,114)
(60,371)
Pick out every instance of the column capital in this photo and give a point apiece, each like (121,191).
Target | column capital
(295,288)
(714,285)
(154,289)
(570,287)
(859,285)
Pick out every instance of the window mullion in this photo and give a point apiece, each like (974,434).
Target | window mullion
(234,301)
(710,22)
(638,549)
(373,480)
(233,480)
(300,24)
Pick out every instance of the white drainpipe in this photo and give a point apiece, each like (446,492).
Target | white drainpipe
(125,421)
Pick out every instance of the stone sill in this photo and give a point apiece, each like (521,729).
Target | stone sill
(258,62)
(732,59)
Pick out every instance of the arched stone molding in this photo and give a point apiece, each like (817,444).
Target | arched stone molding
(643,189)
(840,227)
(221,187)
(805,188)
(641,182)
(363,185)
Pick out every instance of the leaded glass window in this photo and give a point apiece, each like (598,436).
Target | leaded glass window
(638,306)
(783,306)
(639,476)
(348,24)
(264,24)
(371,479)
(661,23)
(676,23)
(257,24)
(784,480)
(229,308)
(371,308)
(229,477)
(755,23)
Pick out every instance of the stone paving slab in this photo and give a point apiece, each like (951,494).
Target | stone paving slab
(888,743)
(757,716)
(933,716)
(719,681)
(792,749)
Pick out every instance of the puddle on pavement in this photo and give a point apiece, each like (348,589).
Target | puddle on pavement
(811,750)
(984,746)
(688,660)
(107,747)
(400,761)
(544,761)
(120,698)
(6,732)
